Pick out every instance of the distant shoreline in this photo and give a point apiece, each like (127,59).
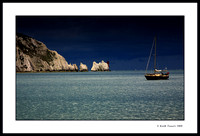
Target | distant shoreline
(57,71)
(46,71)
(85,71)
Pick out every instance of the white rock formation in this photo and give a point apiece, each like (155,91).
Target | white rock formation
(73,67)
(33,55)
(101,66)
(95,66)
(104,65)
(83,67)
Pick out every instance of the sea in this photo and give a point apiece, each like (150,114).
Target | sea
(113,95)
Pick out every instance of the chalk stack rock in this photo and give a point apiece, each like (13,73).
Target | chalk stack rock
(73,67)
(101,66)
(83,67)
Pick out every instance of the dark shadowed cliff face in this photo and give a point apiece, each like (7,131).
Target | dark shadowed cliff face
(33,55)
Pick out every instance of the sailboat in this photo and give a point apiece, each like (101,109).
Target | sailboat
(157,74)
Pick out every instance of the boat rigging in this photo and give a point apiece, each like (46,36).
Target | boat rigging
(157,74)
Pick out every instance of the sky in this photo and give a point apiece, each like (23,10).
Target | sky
(124,41)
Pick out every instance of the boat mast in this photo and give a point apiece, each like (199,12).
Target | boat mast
(155,55)
(150,56)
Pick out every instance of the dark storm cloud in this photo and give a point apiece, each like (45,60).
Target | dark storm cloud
(126,39)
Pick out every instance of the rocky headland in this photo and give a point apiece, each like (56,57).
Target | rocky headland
(34,56)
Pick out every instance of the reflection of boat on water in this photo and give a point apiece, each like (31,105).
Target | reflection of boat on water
(158,74)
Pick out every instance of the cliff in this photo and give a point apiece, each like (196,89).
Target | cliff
(34,56)
(101,66)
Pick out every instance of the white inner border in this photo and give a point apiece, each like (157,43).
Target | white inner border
(10,10)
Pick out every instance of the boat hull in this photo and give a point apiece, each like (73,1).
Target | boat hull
(156,77)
